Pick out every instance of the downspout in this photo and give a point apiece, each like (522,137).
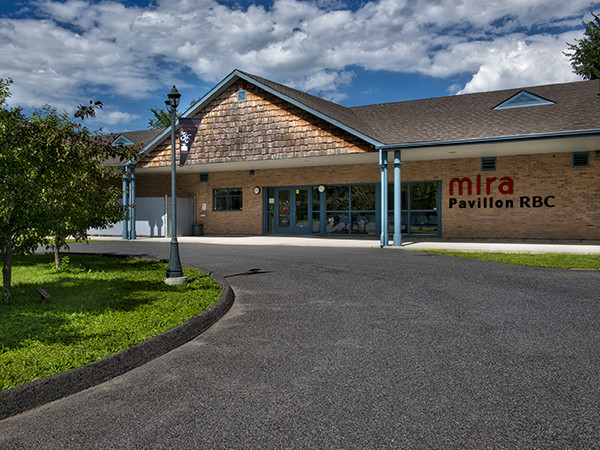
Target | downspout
(125,204)
(132,202)
(397,200)
(383,161)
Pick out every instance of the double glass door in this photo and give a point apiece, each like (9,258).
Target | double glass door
(292,212)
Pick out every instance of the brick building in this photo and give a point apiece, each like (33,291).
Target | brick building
(268,159)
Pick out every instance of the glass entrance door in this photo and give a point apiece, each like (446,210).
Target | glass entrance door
(292,211)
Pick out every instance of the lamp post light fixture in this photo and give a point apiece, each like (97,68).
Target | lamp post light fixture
(174,270)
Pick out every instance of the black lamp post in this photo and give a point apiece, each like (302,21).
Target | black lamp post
(174,270)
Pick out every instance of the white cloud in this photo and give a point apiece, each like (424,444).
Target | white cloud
(115,117)
(522,61)
(80,46)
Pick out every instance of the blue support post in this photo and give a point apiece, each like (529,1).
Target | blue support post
(383,161)
(132,202)
(397,201)
(125,204)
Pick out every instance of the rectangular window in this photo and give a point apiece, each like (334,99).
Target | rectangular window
(488,163)
(581,159)
(419,205)
(228,199)
(350,209)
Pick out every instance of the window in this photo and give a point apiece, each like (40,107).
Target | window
(419,204)
(350,209)
(488,163)
(229,199)
(581,159)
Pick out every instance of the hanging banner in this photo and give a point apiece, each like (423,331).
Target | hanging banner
(187,133)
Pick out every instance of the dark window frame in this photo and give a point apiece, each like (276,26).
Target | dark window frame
(407,209)
(230,196)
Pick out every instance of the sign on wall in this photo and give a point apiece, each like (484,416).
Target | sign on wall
(492,193)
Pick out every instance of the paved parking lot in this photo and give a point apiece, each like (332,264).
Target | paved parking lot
(353,347)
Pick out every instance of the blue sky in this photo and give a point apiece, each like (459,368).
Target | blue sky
(128,54)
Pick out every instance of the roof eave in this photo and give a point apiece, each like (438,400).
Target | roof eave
(491,139)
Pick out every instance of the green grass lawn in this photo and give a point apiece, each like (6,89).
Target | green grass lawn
(99,306)
(558,260)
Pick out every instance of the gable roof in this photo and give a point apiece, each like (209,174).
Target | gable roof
(567,109)
(141,138)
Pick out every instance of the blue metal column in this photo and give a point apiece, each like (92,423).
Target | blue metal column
(132,202)
(383,161)
(397,201)
(125,204)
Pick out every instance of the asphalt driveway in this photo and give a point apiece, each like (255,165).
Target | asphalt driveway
(354,348)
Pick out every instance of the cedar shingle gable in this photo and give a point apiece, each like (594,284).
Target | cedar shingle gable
(337,112)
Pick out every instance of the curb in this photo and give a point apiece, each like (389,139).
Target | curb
(22,398)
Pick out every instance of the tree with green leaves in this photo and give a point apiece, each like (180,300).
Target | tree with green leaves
(21,211)
(162,118)
(585,55)
(53,181)
(80,189)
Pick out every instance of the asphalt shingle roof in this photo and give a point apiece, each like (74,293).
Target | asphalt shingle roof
(140,138)
(472,116)
(462,117)
(576,107)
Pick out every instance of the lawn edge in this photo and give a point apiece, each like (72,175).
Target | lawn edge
(31,395)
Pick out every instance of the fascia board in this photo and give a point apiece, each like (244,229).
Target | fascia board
(558,134)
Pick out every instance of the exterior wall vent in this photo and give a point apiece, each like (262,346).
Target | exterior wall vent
(122,140)
(242,96)
(204,177)
(488,163)
(522,100)
(581,159)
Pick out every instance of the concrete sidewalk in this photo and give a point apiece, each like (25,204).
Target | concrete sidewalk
(516,246)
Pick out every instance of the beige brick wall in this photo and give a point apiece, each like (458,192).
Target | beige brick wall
(576,194)
(249,220)
(265,127)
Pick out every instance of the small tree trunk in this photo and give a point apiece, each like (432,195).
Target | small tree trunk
(7,266)
(58,243)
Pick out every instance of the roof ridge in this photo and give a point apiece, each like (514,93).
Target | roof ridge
(514,90)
